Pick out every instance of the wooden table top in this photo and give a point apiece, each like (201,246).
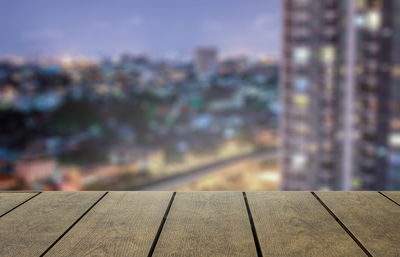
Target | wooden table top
(200,224)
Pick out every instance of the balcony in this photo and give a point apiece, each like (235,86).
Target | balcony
(200,224)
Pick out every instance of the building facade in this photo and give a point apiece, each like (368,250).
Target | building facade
(205,61)
(340,89)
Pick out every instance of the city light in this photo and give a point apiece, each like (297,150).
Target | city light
(212,95)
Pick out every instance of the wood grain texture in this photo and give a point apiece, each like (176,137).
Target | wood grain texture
(31,228)
(296,224)
(121,224)
(10,200)
(207,224)
(374,220)
(394,195)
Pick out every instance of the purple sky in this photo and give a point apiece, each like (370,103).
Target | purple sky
(37,28)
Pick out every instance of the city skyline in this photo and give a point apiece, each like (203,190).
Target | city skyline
(102,29)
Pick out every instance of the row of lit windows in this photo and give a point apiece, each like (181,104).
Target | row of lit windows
(371,20)
(302,54)
(300,160)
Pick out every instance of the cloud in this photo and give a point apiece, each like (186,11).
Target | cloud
(135,21)
(265,20)
(44,34)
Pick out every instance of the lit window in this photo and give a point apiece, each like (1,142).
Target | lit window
(301,100)
(360,21)
(356,183)
(298,161)
(302,129)
(373,20)
(301,84)
(394,139)
(396,71)
(361,4)
(313,148)
(328,54)
(301,55)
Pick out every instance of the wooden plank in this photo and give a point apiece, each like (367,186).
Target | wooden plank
(31,228)
(207,224)
(394,195)
(374,220)
(121,224)
(296,224)
(11,200)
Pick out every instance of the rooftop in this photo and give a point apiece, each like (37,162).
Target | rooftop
(200,223)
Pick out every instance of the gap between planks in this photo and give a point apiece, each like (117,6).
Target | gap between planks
(164,219)
(253,227)
(390,199)
(33,196)
(73,224)
(342,225)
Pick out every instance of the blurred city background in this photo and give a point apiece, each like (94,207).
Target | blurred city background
(200,95)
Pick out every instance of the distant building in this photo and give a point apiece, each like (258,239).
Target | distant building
(235,65)
(205,61)
(32,171)
(8,182)
(224,98)
(340,94)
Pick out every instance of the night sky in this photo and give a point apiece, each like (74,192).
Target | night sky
(160,28)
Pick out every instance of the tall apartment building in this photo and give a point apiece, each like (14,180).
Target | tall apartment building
(205,61)
(341,94)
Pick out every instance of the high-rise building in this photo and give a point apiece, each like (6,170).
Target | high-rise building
(205,61)
(341,94)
